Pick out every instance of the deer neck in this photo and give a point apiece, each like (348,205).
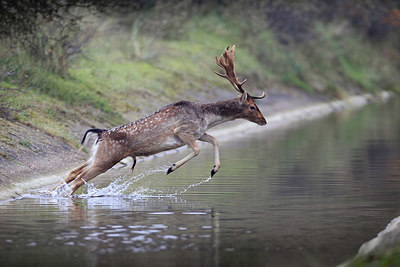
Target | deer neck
(222,111)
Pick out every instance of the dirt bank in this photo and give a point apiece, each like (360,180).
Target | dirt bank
(27,153)
(31,159)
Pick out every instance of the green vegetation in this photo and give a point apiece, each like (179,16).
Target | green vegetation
(139,62)
(389,257)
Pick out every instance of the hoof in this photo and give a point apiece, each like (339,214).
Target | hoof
(213,172)
(171,169)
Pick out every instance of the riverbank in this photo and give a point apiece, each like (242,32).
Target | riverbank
(41,160)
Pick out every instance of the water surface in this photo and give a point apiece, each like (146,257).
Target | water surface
(307,195)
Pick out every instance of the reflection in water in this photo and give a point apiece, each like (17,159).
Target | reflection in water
(91,230)
(305,196)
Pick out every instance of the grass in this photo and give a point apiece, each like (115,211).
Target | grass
(386,258)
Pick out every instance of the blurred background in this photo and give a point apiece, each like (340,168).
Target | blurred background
(103,63)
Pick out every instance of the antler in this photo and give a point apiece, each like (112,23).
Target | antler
(228,64)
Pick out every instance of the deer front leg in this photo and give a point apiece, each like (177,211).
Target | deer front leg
(211,139)
(189,140)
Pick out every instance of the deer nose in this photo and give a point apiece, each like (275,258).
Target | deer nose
(263,121)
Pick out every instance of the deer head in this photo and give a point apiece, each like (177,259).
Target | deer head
(249,109)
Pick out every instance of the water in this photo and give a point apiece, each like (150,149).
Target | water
(307,195)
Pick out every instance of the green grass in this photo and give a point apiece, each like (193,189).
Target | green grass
(387,258)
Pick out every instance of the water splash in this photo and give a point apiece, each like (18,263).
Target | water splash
(120,187)
(63,190)
(193,185)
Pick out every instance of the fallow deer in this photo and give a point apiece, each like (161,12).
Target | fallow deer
(173,126)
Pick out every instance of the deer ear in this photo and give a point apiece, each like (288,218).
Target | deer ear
(244,97)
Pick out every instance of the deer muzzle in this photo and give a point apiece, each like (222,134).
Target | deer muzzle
(262,121)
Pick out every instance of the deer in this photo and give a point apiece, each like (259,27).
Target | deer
(173,126)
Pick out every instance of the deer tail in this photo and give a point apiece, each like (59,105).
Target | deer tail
(98,131)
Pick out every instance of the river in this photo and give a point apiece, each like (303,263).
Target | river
(305,195)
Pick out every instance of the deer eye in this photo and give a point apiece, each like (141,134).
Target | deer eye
(252,107)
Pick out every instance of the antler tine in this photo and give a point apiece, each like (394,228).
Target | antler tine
(227,62)
(259,97)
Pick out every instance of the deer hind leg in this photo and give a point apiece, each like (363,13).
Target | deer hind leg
(189,140)
(75,172)
(87,175)
(72,175)
(211,139)
(100,164)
